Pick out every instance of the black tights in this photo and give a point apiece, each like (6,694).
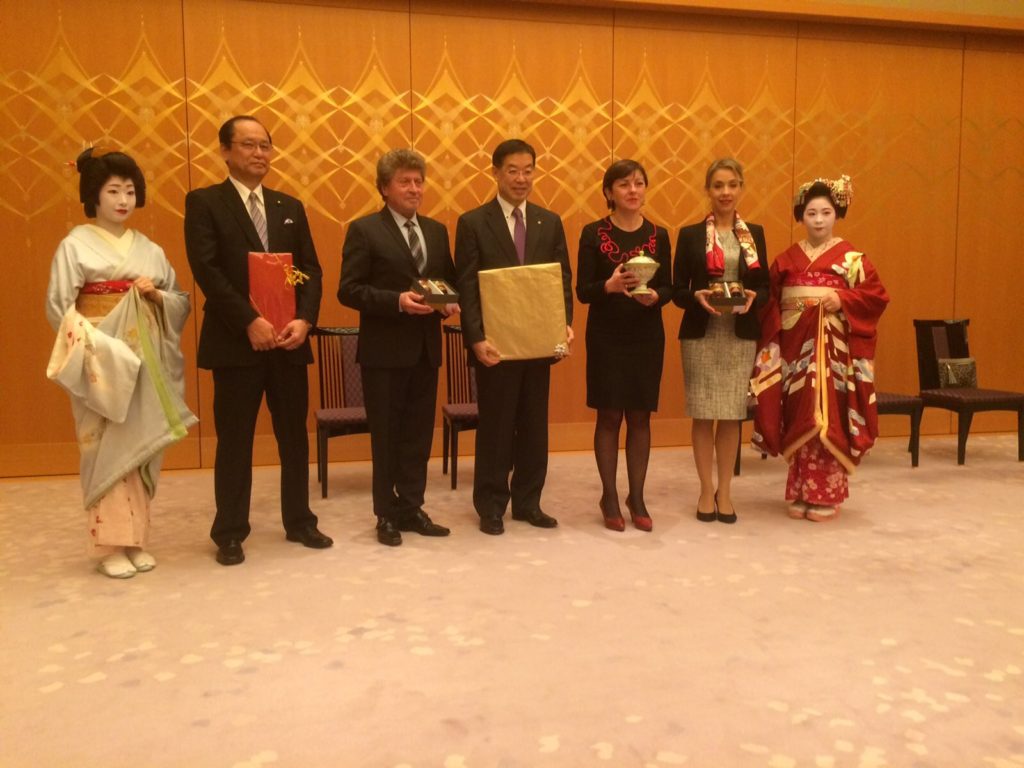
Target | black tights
(638,452)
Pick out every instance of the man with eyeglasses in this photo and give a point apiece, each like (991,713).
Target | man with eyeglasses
(248,357)
(512,395)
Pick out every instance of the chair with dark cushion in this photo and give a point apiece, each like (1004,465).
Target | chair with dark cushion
(946,340)
(460,412)
(891,403)
(341,410)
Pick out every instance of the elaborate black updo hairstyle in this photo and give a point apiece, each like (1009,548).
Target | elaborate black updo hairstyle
(96,168)
(817,189)
(620,169)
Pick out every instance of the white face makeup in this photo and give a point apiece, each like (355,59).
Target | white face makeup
(819,219)
(116,203)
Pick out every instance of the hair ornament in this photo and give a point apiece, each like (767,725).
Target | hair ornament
(840,190)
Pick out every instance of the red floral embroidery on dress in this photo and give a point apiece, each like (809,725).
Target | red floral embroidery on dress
(611,249)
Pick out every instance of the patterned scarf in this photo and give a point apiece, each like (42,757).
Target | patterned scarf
(713,246)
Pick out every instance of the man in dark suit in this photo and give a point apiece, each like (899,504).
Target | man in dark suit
(223,223)
(512,436)
(399,352)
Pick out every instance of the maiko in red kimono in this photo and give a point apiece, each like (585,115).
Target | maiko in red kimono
(814,375)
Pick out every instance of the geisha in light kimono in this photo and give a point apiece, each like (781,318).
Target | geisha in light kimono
(115,304)
(814,376)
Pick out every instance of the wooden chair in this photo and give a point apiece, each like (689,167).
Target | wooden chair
(460,412)
(890,403)
(947,339)
(341,410)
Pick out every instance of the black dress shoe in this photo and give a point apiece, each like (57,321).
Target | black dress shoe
(536,517)
(419,522)
(310,537)
(492,526)
(387,533)
(230,553)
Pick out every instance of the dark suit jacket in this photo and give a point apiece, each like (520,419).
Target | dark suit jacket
(482,241)
(690,273)
(376,266)
(219,234)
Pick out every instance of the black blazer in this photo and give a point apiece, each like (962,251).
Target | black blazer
(690,273)
(219,234)
(376,266)
(482,241)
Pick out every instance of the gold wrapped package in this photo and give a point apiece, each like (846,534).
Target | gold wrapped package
(524,311)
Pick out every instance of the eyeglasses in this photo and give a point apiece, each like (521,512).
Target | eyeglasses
(251,146)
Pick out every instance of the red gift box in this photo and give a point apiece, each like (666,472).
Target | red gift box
(271,292)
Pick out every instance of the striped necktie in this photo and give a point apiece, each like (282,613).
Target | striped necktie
(416,247)
(258,220)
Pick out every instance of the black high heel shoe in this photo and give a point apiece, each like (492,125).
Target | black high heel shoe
(727,519)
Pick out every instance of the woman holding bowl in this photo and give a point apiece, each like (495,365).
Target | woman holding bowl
(625,339)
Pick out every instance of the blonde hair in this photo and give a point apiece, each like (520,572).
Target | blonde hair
(723,164)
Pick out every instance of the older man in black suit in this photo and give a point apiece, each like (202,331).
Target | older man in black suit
(384,256)
(223,224)
(512,436)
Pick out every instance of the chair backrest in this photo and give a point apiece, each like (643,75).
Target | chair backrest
(460,376)
(938,339)
(341,384)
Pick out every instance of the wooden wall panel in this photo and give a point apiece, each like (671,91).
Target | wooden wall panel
(926,122)
(686,94)
(67,82)
(888,115)
(989,268)
(332,86)
(547,81)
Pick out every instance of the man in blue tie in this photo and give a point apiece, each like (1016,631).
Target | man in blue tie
(384,256)
(248,356)
(512,395)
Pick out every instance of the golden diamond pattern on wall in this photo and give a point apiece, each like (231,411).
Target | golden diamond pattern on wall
(331,160)
(48,115)
(677,139)
(460,129)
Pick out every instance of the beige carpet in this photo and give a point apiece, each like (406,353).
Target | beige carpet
(894,637)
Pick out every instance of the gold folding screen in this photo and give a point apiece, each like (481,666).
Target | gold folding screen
(918,119)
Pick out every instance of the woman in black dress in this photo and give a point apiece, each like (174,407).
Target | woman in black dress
(625,338)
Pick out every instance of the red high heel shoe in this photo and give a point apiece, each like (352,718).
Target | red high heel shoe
(613,521)
(641,519)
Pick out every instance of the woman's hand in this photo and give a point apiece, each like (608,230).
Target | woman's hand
(621,281)
(149,291)
(751,295)
(702,298)
(830,301)
(647,299)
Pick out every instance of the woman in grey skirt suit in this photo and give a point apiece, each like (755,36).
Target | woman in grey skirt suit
(719,342)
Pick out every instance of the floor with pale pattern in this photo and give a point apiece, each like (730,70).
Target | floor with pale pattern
(892,637)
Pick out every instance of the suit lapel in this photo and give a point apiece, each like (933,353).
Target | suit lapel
(499,226)
(389,223)
(274,207)
(233,203)
(534,233)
